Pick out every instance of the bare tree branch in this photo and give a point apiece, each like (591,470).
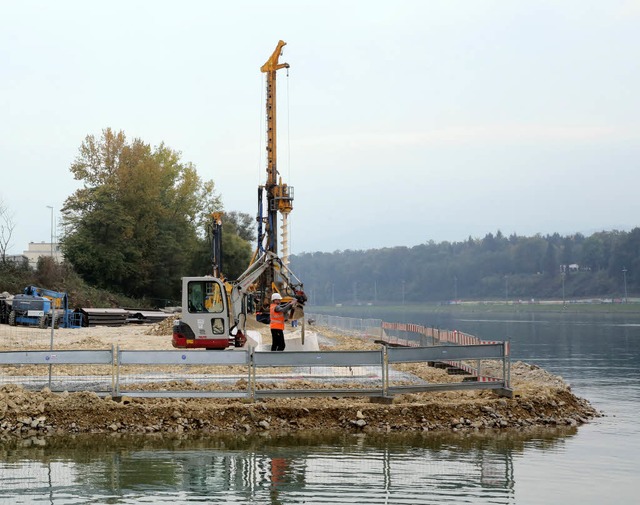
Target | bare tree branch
(7,225)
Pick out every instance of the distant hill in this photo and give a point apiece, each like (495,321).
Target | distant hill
(606,263)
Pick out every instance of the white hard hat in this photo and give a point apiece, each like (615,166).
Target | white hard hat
(275,296)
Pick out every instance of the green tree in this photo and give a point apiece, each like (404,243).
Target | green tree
(134,225)
(237,235)
(596,251)
(550,265)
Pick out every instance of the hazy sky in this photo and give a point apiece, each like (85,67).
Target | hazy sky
(399,123)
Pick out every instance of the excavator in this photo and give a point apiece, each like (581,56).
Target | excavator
(214,311)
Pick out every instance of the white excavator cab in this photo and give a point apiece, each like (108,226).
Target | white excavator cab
(205,320)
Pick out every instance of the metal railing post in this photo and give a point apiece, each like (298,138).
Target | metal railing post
(53,325)
(507,358)
(113,370)
(252,375)
(385,371)
(116,365)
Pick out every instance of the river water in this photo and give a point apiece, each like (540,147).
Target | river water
(593,464)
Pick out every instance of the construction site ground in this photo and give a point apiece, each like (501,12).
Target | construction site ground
(539,399)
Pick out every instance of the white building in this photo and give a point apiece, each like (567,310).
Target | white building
(40,249)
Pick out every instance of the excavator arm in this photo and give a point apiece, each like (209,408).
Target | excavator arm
(288,284)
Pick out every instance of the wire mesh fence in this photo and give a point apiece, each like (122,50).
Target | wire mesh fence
(183,373)
(14,338)
(371,328)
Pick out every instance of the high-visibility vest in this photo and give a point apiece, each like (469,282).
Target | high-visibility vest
(277,318)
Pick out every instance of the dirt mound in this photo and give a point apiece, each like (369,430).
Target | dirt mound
(89,343)
(26,413)
(164,327)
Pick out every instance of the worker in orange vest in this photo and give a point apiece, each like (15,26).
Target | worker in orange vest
(277,312)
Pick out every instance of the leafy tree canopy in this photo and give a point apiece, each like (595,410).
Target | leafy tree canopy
(135,223)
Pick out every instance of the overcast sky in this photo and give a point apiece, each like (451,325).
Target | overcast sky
(399,122)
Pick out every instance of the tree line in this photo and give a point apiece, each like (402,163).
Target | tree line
(498,267)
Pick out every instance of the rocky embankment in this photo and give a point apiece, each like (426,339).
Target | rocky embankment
(27,414)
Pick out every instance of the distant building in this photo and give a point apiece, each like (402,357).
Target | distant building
(42,249)
(18,259)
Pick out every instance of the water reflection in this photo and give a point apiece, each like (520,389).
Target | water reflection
(416,468)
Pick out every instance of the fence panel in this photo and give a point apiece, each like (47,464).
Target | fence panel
(184,373)
(451,367)
(325,373)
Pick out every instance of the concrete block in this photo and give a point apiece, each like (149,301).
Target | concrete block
(293,342)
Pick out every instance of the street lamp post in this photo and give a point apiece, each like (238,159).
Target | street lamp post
(53,312)
(50,207)
(563,302)
(624,275)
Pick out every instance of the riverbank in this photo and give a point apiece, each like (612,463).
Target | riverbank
(540,399)
(28,414)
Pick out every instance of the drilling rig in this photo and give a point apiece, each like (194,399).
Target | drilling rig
(279,199)
(214,311)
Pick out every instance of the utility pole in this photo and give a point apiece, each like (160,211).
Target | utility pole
(624,274)
(563,300)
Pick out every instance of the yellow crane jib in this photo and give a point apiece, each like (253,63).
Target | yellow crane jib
(270,67)
(272,63)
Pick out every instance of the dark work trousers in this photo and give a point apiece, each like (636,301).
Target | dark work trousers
(277,340)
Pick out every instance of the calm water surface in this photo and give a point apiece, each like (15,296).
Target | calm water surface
(594,464)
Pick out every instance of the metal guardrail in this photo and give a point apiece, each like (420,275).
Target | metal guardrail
(56,357)
(234,374)
(92,367)
(445,353)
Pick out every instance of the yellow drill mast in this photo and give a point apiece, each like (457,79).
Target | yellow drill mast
(279,195)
